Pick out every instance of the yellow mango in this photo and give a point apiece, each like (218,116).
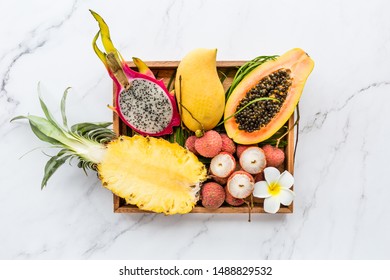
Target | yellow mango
(199,91)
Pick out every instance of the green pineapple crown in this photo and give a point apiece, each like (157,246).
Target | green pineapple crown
(84,142)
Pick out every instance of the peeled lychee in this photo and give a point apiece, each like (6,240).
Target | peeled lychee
(209,145)
(231,200)
(227,144)
(213,195)
(240,184)
(274,156)
(190,144)
(253,160)
(241,148)
(222,165)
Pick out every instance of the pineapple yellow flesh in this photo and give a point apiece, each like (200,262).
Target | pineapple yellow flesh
(152,173)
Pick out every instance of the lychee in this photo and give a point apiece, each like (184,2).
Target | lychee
(240,184)
(274,156)
(259,177)
(209,145)
(231,200)
(227,144)
(222,165)
(252,160)
(219,180)
(190,144)
(241,148)
(213,195)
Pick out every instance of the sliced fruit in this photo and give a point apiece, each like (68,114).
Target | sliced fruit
(153,174)
(142,102)
(282,79)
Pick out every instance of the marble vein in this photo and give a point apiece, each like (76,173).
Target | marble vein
(321,116)
(202,231)
(362,197)
(114,236)
(305,212)
(35,40)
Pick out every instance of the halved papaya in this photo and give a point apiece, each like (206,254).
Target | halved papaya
(281,79)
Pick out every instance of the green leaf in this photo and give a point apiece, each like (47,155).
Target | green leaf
(245,69)
(51,166)
(45,128)
(42,136)
(63,105)
(83,128)
(47,113)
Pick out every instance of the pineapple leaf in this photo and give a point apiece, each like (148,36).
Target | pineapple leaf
(42,136)
(94,131)
(43,129)
(51,166)
(83,128)
(63,105)
(47,113)
(47,128)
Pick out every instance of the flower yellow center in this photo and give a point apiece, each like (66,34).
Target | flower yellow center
(274,188)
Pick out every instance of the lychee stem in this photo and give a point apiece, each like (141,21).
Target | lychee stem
(250,205)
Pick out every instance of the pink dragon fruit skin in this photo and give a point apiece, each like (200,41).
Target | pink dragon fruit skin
(134,76)
(141,102)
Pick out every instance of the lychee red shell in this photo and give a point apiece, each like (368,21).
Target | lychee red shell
(274,156)
(231,200)
(227,144)
(190,144)
(213,195)
(209,145)
(241,148)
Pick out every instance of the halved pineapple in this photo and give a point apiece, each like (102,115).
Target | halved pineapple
(152,173)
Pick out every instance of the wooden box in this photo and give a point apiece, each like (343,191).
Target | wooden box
(165,70)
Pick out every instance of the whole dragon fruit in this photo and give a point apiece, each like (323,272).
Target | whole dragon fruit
(141,101)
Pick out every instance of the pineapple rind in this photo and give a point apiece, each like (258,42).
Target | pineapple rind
(153,174)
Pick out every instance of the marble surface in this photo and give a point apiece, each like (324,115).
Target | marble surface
(342,194)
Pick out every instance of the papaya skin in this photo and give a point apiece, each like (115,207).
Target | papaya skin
(199,91)
(300,64)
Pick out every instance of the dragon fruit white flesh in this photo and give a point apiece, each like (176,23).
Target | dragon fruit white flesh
(141,101)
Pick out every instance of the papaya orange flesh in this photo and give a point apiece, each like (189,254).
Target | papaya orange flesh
(298,66)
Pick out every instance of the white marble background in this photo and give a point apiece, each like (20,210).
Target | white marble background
(343,196)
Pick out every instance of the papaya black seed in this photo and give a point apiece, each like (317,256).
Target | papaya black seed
(259,114)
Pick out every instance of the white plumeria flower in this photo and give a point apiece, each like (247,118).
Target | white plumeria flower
(275,189)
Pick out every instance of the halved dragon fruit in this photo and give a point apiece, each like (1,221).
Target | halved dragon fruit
(141,101)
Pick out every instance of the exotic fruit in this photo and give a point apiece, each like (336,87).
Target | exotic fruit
(142,102)
(240,184)
(199,91)
(282,80)
(149,172)
(213,195)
